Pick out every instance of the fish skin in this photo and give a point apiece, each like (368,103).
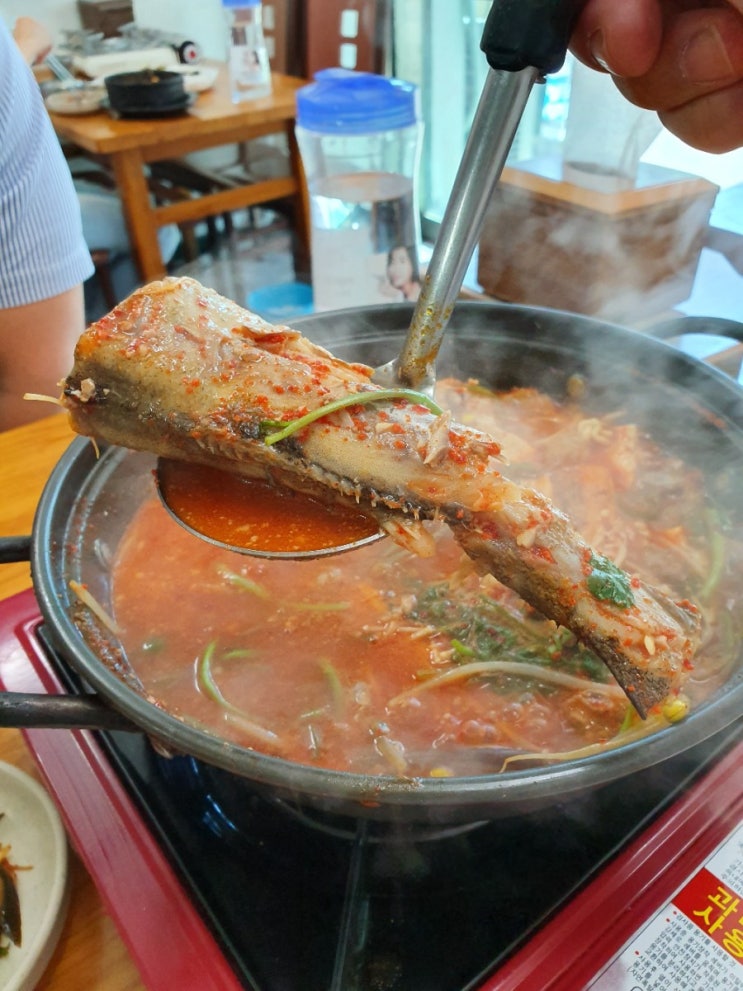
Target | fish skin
(180,371)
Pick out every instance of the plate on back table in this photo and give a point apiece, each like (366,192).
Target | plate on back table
(197,78)
(76,100)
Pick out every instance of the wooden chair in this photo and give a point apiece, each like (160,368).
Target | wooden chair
(102,265)
(171,181)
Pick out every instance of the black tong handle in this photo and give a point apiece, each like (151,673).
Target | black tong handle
(523,33)
(14,549)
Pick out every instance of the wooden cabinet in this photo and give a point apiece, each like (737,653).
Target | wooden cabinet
(106,16)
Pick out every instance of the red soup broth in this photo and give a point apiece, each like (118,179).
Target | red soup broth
(254,514)
(364,661)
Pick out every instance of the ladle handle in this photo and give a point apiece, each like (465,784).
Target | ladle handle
(522,33)
(498,113)
(23,710)
(15,549)
(523,40)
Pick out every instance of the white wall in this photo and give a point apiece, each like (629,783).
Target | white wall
(724,170)
(202,21)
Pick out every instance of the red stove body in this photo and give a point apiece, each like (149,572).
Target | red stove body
(661,910)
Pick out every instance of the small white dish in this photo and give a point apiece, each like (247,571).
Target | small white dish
(197,78)
(32,827)
(76,100)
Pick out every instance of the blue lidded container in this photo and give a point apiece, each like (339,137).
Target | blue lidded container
(342,101)
(359,136)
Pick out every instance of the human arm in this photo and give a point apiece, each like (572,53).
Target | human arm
(682,58)
(32,38)
(45,334)
(44,258)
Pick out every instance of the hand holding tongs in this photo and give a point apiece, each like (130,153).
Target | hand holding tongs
(523,41)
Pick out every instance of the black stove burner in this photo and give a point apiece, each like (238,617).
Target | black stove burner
(301,901)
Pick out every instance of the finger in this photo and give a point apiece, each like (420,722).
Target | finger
(623,38)
(711,123)
(702,52)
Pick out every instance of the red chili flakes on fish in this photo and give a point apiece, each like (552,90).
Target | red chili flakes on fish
(457,448)
(542,553)
(272,339)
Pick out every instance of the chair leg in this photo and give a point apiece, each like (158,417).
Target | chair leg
(102,264)
(189,241)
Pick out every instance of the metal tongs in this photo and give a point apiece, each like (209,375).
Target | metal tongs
(523,40)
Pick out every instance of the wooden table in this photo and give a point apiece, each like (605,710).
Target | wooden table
(213,120)
(90,952)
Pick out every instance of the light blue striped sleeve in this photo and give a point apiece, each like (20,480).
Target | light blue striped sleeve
(42,248)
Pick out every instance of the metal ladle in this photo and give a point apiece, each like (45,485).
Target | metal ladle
(523,41)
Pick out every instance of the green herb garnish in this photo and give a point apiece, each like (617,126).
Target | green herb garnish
(280,430)
(610,583)
(481,629)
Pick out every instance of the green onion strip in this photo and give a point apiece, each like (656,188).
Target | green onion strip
(208,685)
(716,542)
(336,689)
(353,399)
(622,737)
(246,584)
(518,668)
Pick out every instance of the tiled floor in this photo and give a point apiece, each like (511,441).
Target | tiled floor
(250,259)
(245,262)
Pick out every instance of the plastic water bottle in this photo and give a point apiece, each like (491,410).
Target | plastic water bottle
(250,72)
(359,137)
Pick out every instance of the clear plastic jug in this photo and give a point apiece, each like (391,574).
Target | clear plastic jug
(359,135)
(247,55)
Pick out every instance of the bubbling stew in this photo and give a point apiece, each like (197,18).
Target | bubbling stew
(379,662)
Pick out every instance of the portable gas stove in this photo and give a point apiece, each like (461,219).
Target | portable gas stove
(637,887)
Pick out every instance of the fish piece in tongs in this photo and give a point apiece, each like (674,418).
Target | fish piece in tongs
(180,371)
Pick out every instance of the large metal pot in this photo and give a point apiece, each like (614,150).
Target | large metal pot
(692,409)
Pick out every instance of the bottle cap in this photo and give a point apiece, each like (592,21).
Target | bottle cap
(342,101)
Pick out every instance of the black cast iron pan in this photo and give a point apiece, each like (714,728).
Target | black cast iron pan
(691,409)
